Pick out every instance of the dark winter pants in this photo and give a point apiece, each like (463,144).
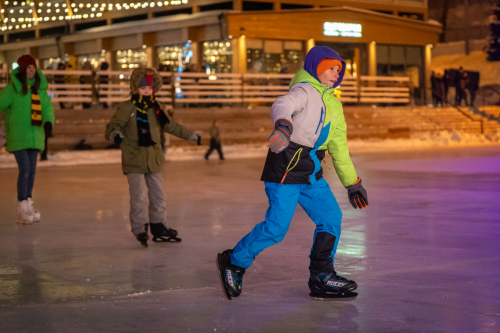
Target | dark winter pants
(26,161)
(214,145)
(318,202)
(460,94)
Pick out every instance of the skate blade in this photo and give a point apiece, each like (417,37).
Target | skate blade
(167,240)
(226,295)
(347,296)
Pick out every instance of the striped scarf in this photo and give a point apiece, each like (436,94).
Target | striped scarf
(36,109)
(142,104)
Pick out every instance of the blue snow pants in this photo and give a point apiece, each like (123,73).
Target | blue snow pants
(318,202)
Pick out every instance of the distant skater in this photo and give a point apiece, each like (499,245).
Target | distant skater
(215,141)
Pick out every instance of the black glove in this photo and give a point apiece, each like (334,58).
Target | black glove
(357,195)
(116,136)
(280,139)
(47,127)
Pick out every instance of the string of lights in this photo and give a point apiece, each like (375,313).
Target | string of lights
(25,14)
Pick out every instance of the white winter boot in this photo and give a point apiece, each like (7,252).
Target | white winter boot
(24,214)
(35,212)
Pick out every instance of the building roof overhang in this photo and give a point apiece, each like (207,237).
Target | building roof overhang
(308,23)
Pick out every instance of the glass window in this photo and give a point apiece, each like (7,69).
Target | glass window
(94,59)
(395,60)
(413,55)
(397,55)
(255,60)
(175,56)
(283,61)
(382,54)
(129,59)
(218,56)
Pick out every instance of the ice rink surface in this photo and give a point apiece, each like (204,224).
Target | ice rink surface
(425,254)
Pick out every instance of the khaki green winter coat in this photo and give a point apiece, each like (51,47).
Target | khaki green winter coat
(137,159)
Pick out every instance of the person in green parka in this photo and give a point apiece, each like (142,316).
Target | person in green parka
(137,126)
(29,116)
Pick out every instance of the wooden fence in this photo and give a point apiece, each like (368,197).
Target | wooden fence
(191,89)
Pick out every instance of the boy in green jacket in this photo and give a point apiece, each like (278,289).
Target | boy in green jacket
(138,125)
(309,120)
(29,115)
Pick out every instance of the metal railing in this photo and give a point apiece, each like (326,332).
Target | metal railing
(193,89)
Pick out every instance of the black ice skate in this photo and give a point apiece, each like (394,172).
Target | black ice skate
(143,236)
(231,277)
(162,234)
(330,286)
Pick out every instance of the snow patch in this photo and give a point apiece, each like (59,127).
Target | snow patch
(139,294)
(417,141)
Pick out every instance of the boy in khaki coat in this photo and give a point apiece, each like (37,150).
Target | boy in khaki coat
(138,125)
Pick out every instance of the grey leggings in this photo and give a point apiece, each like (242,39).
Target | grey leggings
(26,162)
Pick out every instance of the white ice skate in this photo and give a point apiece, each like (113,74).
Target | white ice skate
(35,212)
(24,214)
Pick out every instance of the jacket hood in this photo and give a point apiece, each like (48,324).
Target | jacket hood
(314,57)
(19,86)
(138,73)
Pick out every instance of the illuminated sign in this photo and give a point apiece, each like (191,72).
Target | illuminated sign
(342,29)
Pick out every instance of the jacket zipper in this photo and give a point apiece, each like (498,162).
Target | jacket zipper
(320,121)
(321,118)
